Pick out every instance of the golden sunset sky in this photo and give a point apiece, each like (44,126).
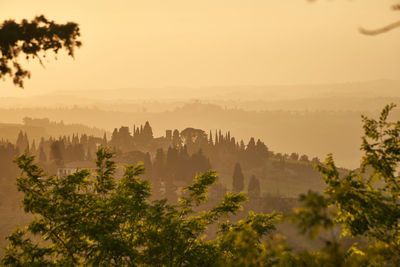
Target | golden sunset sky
(196,43)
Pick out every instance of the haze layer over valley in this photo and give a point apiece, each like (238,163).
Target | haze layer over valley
(322,119)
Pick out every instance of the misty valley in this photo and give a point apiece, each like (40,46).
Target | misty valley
(169,163)
(272,180)
(213,133)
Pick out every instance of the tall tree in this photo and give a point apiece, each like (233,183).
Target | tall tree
(251,146)
(22,142)
(176,139)
(159,164)
(147,132)
(57,151)
(237,179)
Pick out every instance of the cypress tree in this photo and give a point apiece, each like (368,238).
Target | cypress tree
(237,179)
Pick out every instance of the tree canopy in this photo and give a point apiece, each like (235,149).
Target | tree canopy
(86,219)
(33,39)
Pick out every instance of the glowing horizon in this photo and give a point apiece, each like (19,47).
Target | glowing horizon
(130,44)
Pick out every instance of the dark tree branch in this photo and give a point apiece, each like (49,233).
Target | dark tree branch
(380,30)
(33,39)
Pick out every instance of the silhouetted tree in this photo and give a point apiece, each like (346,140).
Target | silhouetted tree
(121,139)
(184,170)
(172,164)
(33,148)
(147,132)
(200,164)
(237,179)
(57,152)
(78,152)
(42,155)
(33,39)
(315,160)
(210,139)
(261,149)
(304,158)
(294,156)
(251,146)
(194,139)
(148,166)
(176,139)
(242,147)
(159,164)
(22,142)
(7,153)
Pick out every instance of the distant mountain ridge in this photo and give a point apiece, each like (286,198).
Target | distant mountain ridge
(38,128)
(341,96)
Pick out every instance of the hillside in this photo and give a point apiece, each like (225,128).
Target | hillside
(315,133)
(38,128)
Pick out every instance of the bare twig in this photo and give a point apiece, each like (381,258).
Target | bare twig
(380,30)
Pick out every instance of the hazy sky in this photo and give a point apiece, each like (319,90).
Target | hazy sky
(157,43)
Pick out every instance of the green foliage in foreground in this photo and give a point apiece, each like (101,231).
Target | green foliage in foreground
(94,220)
